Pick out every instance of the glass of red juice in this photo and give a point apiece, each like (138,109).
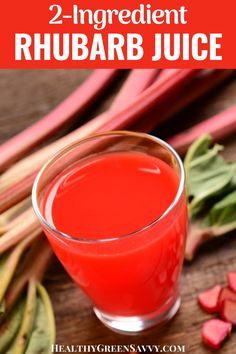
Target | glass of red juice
(113,208)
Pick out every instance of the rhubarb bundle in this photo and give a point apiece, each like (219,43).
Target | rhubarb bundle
(211,183)
(27,321)
(71,107)
(154,102)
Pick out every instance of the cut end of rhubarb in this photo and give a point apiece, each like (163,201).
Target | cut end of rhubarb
(215,331)
(208,300)
(231,278)
(228,311)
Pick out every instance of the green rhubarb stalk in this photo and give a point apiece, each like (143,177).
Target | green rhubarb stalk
(33,267)
(12,214)
(19,232)
(11,262)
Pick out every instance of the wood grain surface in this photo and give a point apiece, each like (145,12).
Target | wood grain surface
(25,96)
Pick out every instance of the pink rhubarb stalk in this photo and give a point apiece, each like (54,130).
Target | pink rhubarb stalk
(137,81)
(89,91)
(33,267)
(203,83)
(219,126)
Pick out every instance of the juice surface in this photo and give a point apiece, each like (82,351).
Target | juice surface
(110,195)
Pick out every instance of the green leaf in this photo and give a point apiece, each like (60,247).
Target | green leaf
(223,212)
(22,338)
(208,174)
(199,147)
(10,327)
(30,328)
(211,185)
(43,335)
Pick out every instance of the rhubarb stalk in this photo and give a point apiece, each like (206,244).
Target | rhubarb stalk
(12,261)
(137,81)
(219,126)
(16,221)
(203,83)
(152,97)
(33,267)
(20,231)
(17,192)
(198,235)
(7,218)
(75,104)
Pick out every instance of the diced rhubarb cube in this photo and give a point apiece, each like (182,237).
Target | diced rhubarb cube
(226,294)
(215,331)
(209,299)
(228,311)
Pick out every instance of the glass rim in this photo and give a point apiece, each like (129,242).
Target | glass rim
(77,143)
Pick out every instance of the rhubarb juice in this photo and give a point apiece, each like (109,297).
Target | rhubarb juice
(120,233)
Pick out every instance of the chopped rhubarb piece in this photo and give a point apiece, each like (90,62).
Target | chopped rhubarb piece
(215,331)
(231,277)
(209,299)
(226,294)
(228,311)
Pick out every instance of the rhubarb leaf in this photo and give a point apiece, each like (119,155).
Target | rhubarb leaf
(212,194)
(208,174)
(10,327)
(30,328)
(223,212)
(43,335)
(22,338)
(198,148)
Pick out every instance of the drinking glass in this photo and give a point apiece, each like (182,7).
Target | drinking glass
(132,280)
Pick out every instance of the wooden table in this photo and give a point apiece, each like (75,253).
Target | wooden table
(28,94)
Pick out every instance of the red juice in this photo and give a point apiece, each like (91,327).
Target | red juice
(128,262)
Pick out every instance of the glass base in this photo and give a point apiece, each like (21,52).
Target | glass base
(135,324)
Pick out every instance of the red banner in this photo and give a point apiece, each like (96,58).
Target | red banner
(116,33)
